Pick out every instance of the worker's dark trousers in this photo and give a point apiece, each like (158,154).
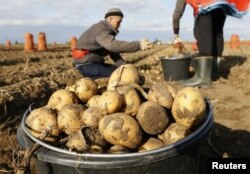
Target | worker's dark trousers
(95,70)
(208,30)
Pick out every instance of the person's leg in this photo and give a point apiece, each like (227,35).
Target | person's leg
(219,19)
(105,70)
(208,31)
(96,70)
(218,24)
(203,31)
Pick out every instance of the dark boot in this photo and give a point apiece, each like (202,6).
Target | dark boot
(216,67)
(203,72)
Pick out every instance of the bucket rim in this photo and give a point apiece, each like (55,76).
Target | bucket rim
(118,160)
(175,57)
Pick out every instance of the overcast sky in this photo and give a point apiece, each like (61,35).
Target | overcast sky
(62,19)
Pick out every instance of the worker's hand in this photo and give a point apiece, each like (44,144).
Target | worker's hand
(145,44)
(177,43)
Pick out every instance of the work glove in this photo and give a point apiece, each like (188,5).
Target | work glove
(177,43)
(145,44)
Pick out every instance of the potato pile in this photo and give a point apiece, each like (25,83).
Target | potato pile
(122,118)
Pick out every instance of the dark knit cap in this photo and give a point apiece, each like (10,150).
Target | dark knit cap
(114,12)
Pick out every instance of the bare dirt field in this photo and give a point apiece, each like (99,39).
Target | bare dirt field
(27,77)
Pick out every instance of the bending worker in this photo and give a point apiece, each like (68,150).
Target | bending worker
(99,41)
(210,16)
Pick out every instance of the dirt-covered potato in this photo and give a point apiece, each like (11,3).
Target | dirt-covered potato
(118,149)
(110,102)
(77,143)
(60,98)
(43,119)
(95,149)
(71,84)
(126,73)
(92,116)
(131,100)
(189,107)
(85,88)
(150,144)
(161,94)
(94,137)
(174,133)
(69,118)
(121,129)
(70,88)
(93,101)
(171,89)
(152,117)
(102,84)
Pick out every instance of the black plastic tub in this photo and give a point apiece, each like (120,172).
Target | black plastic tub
(178,158)
(175,68)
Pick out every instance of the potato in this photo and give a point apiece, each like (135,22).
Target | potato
(93,101)
(161,94)
(85,88)
(43,119)
(150,144)
(110,102)
(71,83)
(174,133)
(121,129)
(94,137)
(189,107)
(91,116)
(95,149)
(152,117)
(171,89)
(125,73)
(102,84)
(62,97)
(77,143)
(69,118)
(118,149)
(70,88)
(131,100)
